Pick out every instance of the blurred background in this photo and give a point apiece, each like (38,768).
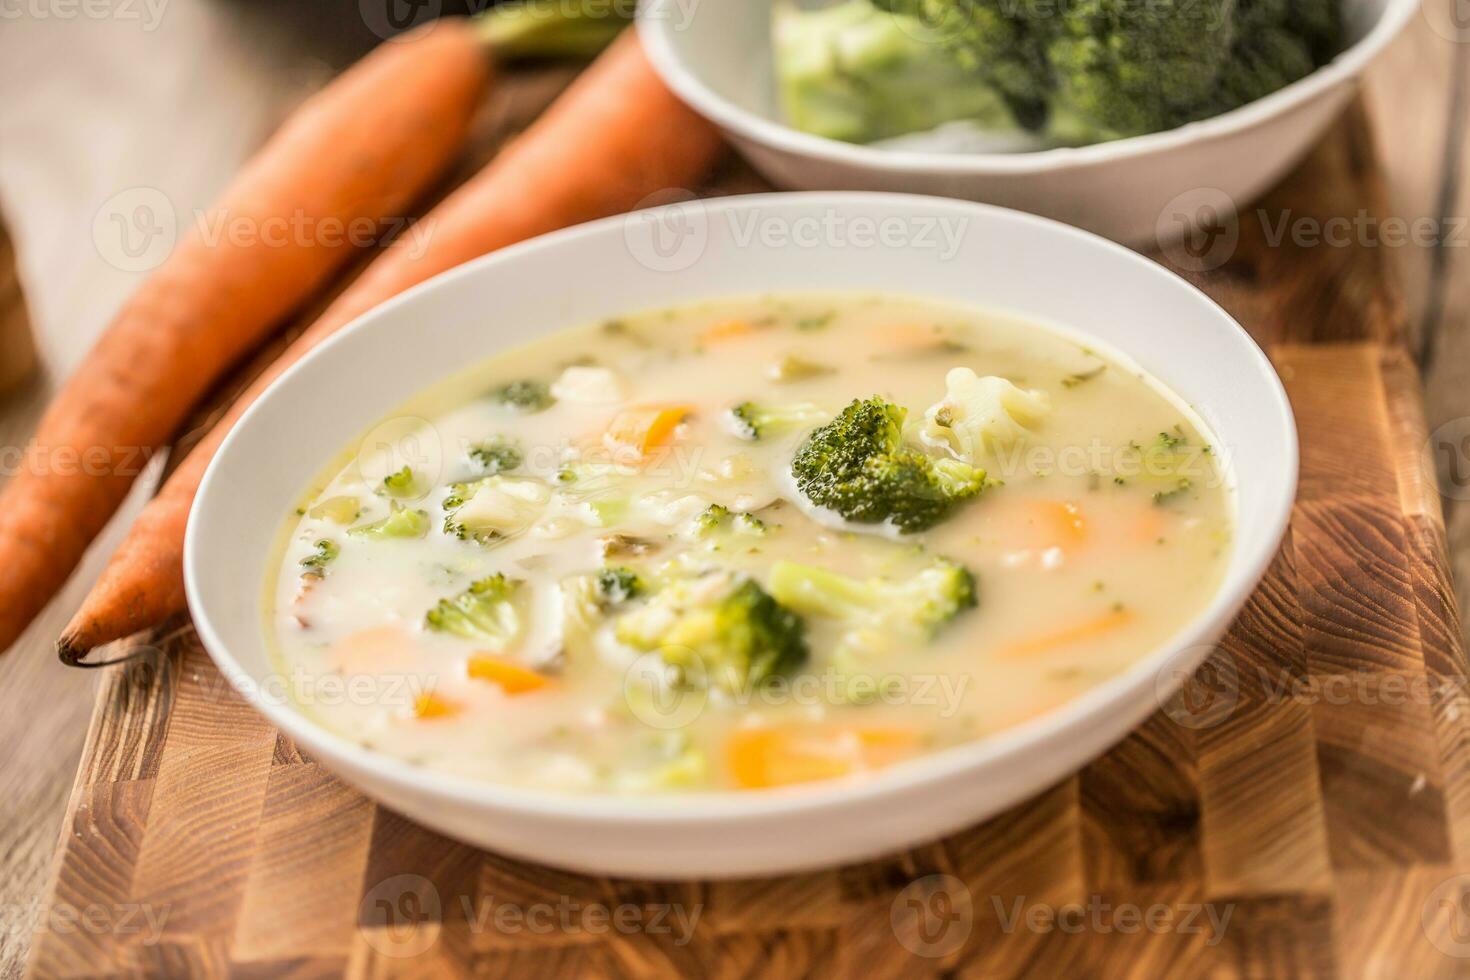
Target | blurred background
(106,97)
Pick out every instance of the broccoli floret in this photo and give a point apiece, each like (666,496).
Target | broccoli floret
(616,586)
(1091,70)
(401,484)
(852,72)
(316,563)
(877,618)
(915,605)
(717,519)
(400,523)
(492,508)
(494,456)
(857,467)
(486,612)
(527,396)
(720,627)
(753,421)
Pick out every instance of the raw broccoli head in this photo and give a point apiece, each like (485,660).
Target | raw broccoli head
(1090,70)
(1004,42)
(720,626)
(856,466)
(485,612)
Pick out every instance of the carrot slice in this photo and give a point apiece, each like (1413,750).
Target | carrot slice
(1068,636)
(646,428)
(614,137)
(783,756)
(512,678)
(726,330)
(431,707)
(1062,523)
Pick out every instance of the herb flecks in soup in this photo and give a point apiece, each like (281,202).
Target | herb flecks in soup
(747,544)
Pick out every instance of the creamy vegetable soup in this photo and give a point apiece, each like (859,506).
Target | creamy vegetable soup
(746,544)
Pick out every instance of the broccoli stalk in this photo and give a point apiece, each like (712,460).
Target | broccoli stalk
(722,628)
(400,523)
(876,616)
(486,612)
(917,605)
(857,467)
(755,422)
(852,72)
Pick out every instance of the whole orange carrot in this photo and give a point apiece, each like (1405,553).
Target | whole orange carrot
(613,138)
(359,151)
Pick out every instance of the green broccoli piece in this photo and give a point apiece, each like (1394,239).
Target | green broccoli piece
(877,618)
(527,396)
(316,563)
(616,586)
(521,501)
(494,456)
(917,605)
(719,627)
(754,422)
(401,484)
(717,519)
(853,72)
(1083,71)
(857,467)
(487,612)
(400,523)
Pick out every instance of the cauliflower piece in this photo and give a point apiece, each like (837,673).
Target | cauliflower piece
(980,416)
(495,507)
(589,385)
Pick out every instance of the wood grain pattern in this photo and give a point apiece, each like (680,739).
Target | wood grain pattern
(1304,809)
(17,345)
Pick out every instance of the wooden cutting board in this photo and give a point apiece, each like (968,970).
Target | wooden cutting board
(1303,809)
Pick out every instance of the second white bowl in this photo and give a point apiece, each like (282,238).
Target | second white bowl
(716,55)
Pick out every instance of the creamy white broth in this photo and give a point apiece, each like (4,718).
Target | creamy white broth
(1104,528)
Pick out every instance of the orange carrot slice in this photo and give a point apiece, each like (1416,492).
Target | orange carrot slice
(512,678)
(783,756)
(432,707)
(646,428)
(726,330)
(1068,636)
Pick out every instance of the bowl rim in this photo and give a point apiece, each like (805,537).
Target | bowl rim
(1179,654)
(656,32)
